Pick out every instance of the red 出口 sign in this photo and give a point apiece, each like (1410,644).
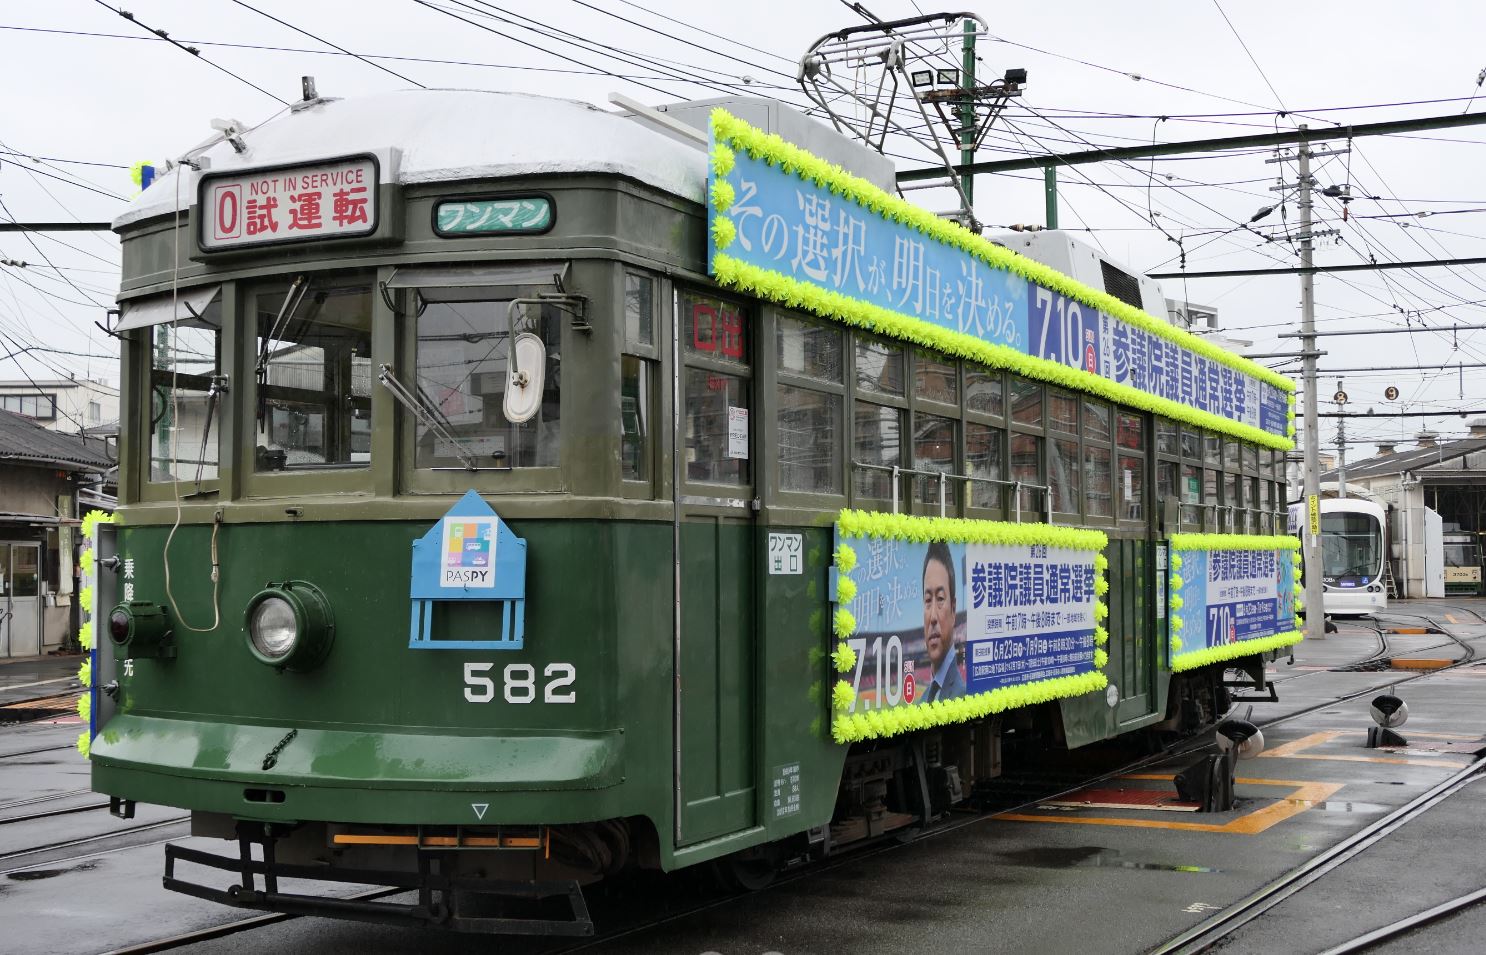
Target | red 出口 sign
(329,200)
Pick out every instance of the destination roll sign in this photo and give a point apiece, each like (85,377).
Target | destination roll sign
(333,199)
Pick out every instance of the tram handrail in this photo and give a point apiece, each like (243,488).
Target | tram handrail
(944,477)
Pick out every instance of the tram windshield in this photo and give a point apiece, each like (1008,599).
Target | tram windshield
(1461,553)
(462,376)
(1351,545)
(314,375)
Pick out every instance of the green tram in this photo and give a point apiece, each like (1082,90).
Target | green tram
(370,326)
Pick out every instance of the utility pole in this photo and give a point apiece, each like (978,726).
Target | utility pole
(1341,442)
(1315,612)
(967,111)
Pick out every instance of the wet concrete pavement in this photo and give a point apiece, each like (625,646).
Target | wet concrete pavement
(32,678)
(1046,880)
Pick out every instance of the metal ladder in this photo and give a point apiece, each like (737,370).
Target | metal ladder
(1389,583)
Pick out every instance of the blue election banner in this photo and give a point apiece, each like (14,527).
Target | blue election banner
(798,229)
(1235,595)
(795,228)
(938,621)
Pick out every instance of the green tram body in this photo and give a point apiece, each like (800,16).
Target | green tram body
(380,740)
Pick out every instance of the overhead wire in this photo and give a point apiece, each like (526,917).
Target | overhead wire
(328,43)
(187,49)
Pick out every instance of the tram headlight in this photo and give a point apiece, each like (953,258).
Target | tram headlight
(289,625)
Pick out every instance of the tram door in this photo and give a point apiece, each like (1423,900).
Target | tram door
(1132,625)
(20,600)
(716,560)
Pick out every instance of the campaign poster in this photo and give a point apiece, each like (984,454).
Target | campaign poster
(937,621)
(1235,595)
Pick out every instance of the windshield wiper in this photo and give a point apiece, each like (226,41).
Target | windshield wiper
(217,390)
(292,299)
(416,405)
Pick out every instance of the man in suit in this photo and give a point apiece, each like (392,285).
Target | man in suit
(946,680)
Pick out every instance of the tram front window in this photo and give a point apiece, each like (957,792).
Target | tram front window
(1351,546)
(185,357)
(462,353)
(313,375)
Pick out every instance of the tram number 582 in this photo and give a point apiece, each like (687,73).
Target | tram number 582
(519,683)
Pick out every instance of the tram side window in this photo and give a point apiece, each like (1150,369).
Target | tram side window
(637,378)
(1130,472)
(1026,467)
(185,421)
(1098,473)
(1026,449)
(718,395)
(1063,461)
(934,450)
(313,375)
(1191,491)
(1166,482)
(639,309)
(461,367)
(809,418)
(985,458)
(634,418)
(877,443)
(1166,437)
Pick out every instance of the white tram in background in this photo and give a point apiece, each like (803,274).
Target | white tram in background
(1354,549)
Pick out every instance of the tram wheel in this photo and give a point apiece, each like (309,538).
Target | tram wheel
(747,871)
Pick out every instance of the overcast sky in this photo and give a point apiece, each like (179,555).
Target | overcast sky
(122,96)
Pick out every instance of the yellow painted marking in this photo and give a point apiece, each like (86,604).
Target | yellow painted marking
(1304,743)
(1419,663)
(1298,749)
(1408,630)
(1451,618)
(1302,797)
(494,842)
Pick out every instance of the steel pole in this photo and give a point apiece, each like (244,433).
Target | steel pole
(1315,611)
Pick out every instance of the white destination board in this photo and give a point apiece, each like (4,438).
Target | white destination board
(329,200)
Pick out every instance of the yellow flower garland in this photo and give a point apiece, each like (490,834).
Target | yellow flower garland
(729,131)
(85,633)
(878,724)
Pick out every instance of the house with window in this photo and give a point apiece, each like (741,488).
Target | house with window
(43,475)
(68,405)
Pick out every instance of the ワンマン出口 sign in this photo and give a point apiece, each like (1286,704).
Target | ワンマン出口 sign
(790,228)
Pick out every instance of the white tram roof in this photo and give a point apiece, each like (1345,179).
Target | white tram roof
(450,135)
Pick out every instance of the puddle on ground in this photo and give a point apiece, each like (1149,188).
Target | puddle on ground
(1349,806)
(1339,805)
(34,875)
(1090,857)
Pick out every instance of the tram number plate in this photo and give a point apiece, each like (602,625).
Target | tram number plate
(785,552)
(519,683)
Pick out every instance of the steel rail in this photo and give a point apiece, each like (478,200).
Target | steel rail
(36,850)
(1203,936)
(1394,929)
(36,752)
(232,928)
(47,814)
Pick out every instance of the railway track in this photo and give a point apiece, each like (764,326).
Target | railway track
(1222,925)
(40,708)
(1035,789)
